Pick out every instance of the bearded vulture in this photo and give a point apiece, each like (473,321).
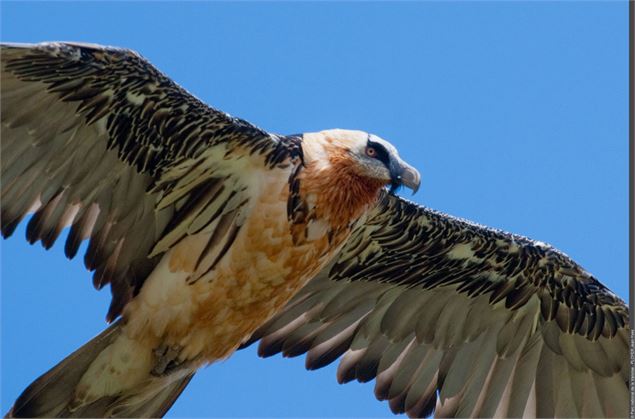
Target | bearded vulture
(214,234)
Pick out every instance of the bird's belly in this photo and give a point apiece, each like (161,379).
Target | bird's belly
(209,318)
(260,274)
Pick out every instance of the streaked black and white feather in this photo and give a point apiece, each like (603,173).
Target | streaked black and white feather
(460,320)
(120,157)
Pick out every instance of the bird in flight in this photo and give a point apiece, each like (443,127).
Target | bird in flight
(215,234)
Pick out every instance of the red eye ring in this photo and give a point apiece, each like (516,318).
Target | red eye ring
(371,152)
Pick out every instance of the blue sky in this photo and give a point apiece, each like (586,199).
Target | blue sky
(515,114)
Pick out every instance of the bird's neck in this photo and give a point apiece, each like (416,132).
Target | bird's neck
(339,194)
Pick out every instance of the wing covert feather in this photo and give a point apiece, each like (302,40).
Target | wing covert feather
(465,320)
(98,139)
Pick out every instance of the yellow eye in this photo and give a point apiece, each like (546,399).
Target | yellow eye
(371,152)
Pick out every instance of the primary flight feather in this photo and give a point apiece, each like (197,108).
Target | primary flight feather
(214,234)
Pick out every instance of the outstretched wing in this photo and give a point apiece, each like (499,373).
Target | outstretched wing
(458,319)
(97,139)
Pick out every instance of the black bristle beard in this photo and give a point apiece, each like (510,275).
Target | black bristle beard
(394,187)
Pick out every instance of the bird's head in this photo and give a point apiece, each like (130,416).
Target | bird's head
(371,157)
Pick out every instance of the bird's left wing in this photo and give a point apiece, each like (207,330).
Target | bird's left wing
(456,318)
(98,139)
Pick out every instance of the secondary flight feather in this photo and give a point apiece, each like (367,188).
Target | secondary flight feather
(214,234)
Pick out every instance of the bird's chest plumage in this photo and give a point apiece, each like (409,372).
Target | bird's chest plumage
(207,319)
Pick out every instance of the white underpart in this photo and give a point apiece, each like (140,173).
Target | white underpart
(163,298)
(316,229)
(120,367)
(163,302)
(127,362)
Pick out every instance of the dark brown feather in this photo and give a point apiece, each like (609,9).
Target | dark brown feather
(437,286)
(113,126)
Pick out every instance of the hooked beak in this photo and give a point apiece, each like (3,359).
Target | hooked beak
(402,173)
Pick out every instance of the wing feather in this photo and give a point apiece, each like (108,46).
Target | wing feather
(97,139)
(464,321)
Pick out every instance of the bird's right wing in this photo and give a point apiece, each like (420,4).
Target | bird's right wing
(461,320)
(98,139)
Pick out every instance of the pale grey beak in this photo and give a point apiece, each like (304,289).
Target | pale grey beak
(403,174)
(411,178)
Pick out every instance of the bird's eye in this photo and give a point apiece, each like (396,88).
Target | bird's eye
(371,152)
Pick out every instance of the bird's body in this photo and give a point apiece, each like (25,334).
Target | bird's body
(169,327)
(260,272)
(215,234)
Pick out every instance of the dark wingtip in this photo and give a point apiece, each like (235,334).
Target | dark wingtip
(9,228)
(267,349)
(73,241)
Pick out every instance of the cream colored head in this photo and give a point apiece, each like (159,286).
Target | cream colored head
(370,156)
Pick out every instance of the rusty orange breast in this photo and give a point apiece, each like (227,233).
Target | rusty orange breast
(256,278)
(211,316)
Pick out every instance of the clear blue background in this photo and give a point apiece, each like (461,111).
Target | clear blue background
(515,114)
